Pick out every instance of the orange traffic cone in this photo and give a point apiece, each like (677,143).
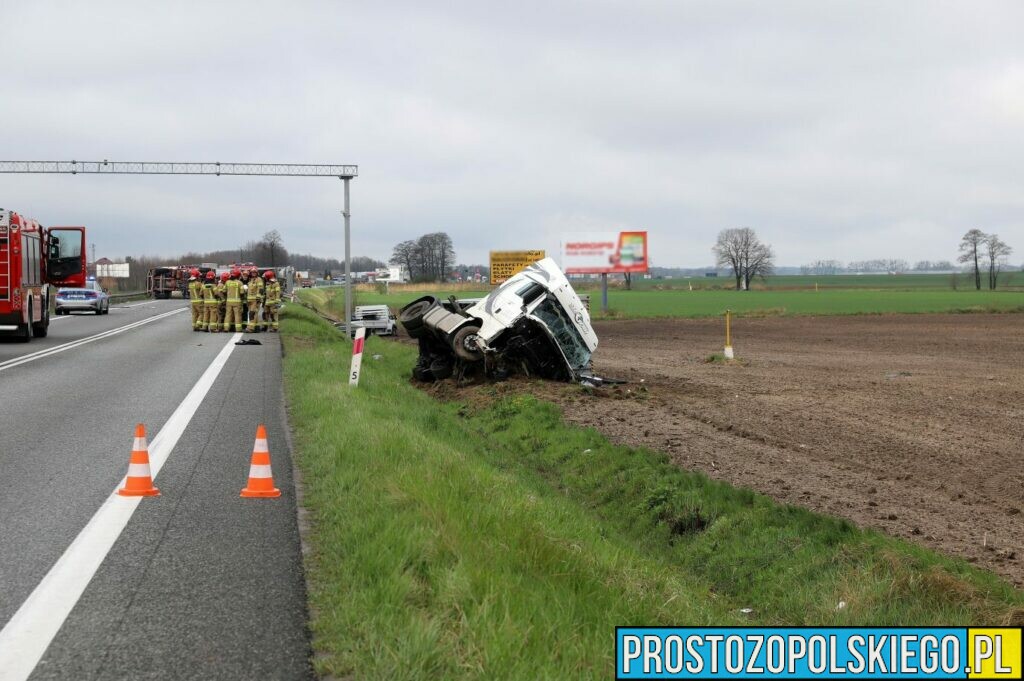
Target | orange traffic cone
(139,482)
(261,480)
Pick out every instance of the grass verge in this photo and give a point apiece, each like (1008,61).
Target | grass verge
(491,540)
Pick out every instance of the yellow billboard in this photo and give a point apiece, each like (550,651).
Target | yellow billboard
(504,264)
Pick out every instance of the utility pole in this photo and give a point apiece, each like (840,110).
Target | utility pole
(348,263)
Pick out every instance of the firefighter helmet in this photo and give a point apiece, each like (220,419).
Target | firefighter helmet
(235,273)
(224,276)
(210,276)
(193,272)
(269,274)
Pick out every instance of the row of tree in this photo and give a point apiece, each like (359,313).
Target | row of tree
(268,251)
(748,258)
(887,265)
(428,258)
(978,248)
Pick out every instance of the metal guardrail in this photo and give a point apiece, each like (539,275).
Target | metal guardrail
(115,297)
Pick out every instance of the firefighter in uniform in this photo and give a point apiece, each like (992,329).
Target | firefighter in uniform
(195,295)
(246,282)
(211,322)
(255,298)
(221,298)
(233,302)
(273,300)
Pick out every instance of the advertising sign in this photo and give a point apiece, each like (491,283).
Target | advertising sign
(113,270)
(504,264)
(605,253)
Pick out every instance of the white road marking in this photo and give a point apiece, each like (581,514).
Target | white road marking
(31,357)
(28,634)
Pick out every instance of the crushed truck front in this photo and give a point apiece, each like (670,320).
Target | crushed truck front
(534,323)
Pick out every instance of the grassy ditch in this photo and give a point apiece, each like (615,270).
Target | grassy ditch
(491,540)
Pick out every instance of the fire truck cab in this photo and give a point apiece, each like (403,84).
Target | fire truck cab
(33,259)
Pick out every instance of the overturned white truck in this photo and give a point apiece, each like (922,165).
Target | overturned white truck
(534,324)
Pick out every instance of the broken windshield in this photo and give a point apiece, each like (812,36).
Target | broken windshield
(564,332)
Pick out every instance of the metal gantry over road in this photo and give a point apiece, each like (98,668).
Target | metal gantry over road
(343,172)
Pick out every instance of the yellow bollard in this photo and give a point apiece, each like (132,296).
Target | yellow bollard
(728,335)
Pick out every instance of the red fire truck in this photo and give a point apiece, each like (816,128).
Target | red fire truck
(34,258)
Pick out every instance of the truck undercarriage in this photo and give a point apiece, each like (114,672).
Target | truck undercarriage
(534,324)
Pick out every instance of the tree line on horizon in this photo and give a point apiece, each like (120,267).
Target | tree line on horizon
(748,258)
(267,251)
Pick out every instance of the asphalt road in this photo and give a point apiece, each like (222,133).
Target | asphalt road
(201,583)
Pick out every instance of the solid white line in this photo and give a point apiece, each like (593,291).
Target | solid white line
(28,634)
(24,359)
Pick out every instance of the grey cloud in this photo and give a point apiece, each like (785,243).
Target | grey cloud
(837,130)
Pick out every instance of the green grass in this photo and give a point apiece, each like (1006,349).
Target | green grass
(906,282)
(494,541)
(757,303)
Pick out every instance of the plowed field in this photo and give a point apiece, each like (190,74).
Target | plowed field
(910,424)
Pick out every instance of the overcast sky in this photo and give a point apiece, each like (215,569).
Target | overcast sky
(846,130)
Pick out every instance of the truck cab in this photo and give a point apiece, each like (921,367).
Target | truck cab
(533,323)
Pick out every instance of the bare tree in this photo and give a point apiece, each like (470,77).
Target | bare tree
(273,243)
(745,254)
(437,255)
(969,246)
(997,251)
(407,253)
(822,267)
(429,258)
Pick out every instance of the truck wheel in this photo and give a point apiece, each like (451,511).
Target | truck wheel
(40,329)
(411,316)
(24,334)
(464,343)
(421,374)
(441,369)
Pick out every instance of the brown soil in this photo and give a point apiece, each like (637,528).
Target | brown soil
(913,425)
(909,424)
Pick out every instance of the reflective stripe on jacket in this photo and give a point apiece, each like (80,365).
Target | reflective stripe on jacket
(210,294)
(233,287)
(273,293)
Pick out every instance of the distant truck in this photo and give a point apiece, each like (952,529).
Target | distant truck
(163,282)
(376,319)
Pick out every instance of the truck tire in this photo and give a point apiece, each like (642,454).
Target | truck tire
(441,369)
(421,374)
(411,316)
(464,344)
(24,333)
(40,329)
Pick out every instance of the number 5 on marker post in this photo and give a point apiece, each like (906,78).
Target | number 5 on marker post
(357,355)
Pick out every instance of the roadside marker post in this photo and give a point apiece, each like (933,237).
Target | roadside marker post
(357,355)
(728,335)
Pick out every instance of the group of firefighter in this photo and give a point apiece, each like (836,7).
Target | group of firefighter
(234,301)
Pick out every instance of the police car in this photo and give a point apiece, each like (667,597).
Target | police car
(91,298)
